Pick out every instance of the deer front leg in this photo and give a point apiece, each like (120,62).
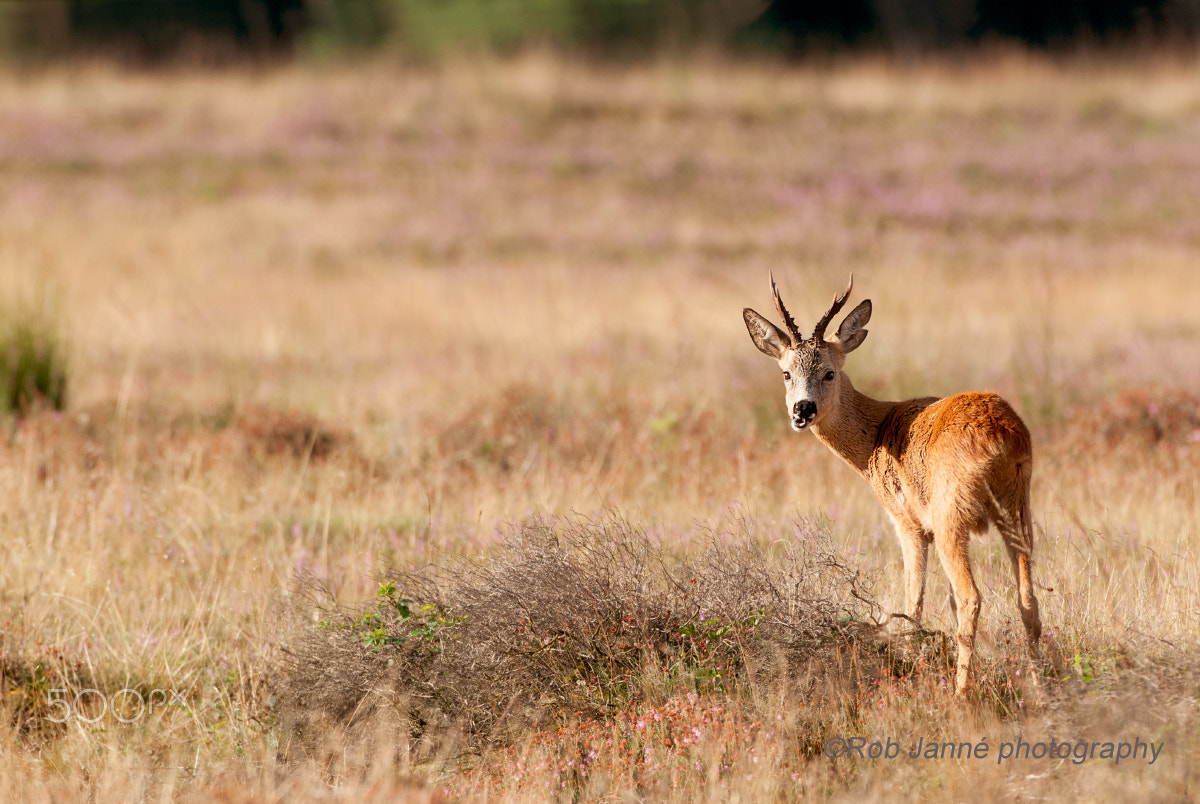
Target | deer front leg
(915,550)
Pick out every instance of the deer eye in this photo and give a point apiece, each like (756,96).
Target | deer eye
(787,376)
(829,376)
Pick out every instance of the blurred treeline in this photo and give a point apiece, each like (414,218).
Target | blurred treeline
(153,30)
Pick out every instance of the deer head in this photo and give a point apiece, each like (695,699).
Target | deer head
(812,367)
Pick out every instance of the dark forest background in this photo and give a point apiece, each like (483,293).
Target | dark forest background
(156,30)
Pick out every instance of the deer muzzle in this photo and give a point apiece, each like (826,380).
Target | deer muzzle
(803,412)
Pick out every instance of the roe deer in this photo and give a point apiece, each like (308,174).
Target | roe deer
(942,468)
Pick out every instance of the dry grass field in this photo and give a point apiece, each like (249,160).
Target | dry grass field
(333,327)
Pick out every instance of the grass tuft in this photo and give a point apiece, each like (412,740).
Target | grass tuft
(33,370)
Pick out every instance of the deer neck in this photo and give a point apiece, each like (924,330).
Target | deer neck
(851,428)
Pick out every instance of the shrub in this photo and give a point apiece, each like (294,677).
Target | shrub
(575,615)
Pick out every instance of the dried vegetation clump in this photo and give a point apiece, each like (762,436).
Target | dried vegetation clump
(581,616)
(94,437)
(1152,435)
(1166,419)
(276,432)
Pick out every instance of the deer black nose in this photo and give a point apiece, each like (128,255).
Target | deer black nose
(805,409)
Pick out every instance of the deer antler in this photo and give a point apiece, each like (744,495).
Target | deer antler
(838,303)
(788,321)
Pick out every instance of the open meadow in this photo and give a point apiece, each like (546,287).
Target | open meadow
(415,448)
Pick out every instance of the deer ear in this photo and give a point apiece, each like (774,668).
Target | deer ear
(770,339)
(851,333)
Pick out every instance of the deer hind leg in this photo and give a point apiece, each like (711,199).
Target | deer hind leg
(1017,532)
(953,543)
(1015,524)
(1026,601)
